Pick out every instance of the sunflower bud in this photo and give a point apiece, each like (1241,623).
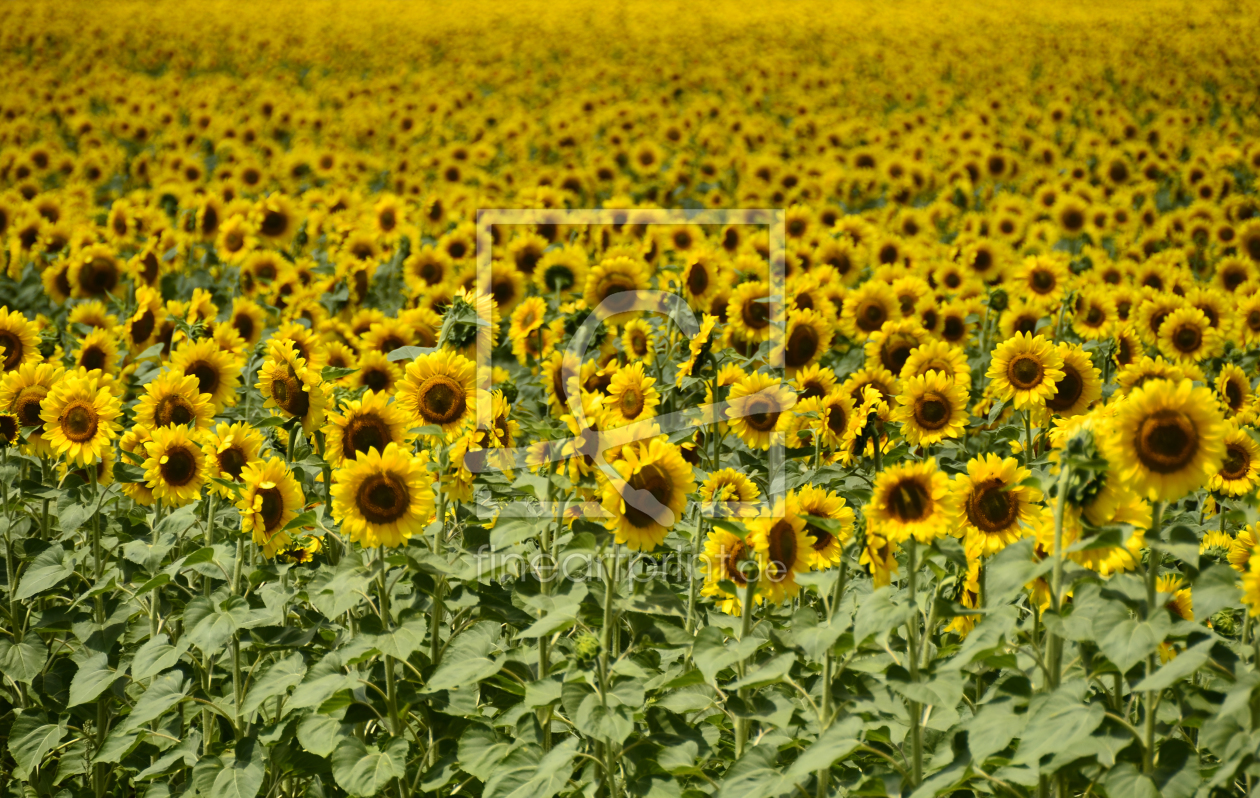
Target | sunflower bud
(586,651)
(998,300)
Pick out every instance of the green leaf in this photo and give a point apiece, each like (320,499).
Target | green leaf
(48,570)
(712,652)
(1215,589)
(754,775)
(1126,640)
(93,678)
(878,614)
(408,353)
(992,729)
(1178,668)
(404,640)
(363,770)
(242,775)
(274,681)
(303,519)
(165,692)
(612,724)
(320,734)
(23,661)
(837,742)
(466,659)
(480,751)
(1125,780)
(522,775)
(1011,569)
(769,673)
(1057,721)
(155,656)
(335,373)
(30,739)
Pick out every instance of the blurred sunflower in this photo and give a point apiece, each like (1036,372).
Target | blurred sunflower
(289,386)
(1240,468)
(826,545)
(757,409)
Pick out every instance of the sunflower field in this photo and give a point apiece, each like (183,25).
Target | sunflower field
(843,399)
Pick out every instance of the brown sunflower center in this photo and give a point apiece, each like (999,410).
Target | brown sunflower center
(173,411)
(1042,281)
(1025,372)
(1167,441)
(365,432)
(93,359)
(612,288)
(383,498)
(12,346)
(802,346)
(142,327)
(909,501)
(837,419)
(27,405)
(1187,339)
(1237,462)
(79,422)
(232,462)
(781,550)
(375,379)
(931,411)
(896,351)
(870,316)
(1233,396)
(756,314)
(819,538)
(8,427)
(442,400)
(287,392)
(1067,390)
(953,329)
(991,507)
(271,508)
(763,413)
(657,482)
(274,224)
(178,467)
(631,403)
(731,562)
(207,376)
(698,279)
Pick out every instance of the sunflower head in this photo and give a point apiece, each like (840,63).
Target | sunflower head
(438,390)
(80,418)
(175,466)
(19,340)
(271,499)
(650,494)
(910,499)
(364,424)
(931,408)
(1025,370)
(758,410)
(1167,439)
(783,550)
(383,498)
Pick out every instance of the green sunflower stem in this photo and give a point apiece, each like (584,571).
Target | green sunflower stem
(210,508)
(693,586)
(237,683)
(544,642)
(745,628)
(391,689)
(824,774)
(912,634)
(605,644)
(1151,698)
(439,538)
(1028,440)
(1054,642)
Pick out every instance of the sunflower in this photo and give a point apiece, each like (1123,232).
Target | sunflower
(1041,276)
(174,399)
(631,396)
(699,347)
(1240,468)
(1079,387)
(300,552)
(751,312)
(911,499)
(1137,374)
(217,372)
(98,351)
(729,493)
(376,372)
(272,498)
(701,278)
(931,408)
(228,449)
(275,219)
(723,560)
(1233,388)
(939,356)
(650,495)
(612,277)
(826,547)
(291,387)
(757,409)
(438,390)
(835,414)
(368,423)
(1126,347)
(22,393)
(561,375)
(80,418)
(992,503)
(814,381)
(94,272)
(1186,335)
(174,466)
(561,270)
(526,319)
(10,429)
(141,330)
(1251,577)
(383,498)
(891,345)
(19,340)
(807,339)
(1094,314)
(639,342)
(867,308)
(1025,370)
(1245,544)
(1167,439)
(783,550)
(131,449)
(879,555)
